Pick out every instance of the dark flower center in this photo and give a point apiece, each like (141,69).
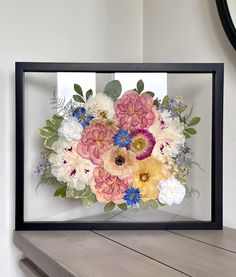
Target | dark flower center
(144,177)
(119,160)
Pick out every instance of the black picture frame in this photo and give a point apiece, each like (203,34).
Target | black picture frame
(217,71)
(227,21)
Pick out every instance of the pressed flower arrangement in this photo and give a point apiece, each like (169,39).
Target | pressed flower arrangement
(129,150)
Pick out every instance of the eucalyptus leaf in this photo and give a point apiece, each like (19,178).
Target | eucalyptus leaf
(78,98)
(60,192)
(89,93)
(194,121)
(113,89)
(123,206)
(78,90)
(152,94)
(109,207)
(191,131)
(140,86)
(187,135)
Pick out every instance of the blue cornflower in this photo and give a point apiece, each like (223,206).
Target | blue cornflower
(82,116)
(122,138)
(132,196)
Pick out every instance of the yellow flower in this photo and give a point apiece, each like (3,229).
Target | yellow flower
(149,173)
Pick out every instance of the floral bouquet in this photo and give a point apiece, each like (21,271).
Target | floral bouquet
(128,150)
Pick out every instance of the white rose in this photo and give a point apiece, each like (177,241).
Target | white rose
(70,129)
(171,191)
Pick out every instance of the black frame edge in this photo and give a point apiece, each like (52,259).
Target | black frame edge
(216,69)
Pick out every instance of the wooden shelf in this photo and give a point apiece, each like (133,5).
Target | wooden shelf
(128,253)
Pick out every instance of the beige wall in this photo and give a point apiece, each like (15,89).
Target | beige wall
(191,31)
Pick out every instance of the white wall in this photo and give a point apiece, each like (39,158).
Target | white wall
(55,30)
(107,31)
(191,31)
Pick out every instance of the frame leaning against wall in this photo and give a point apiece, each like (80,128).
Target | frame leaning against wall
(217,71)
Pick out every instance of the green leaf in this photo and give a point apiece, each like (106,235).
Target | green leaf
(113,89)
(123,206)
(90,200)
(140,86)
(156,103)
(46,132)
(160,204)
(151,204)
(49,124)
(109,207)
(187,136)
(152,94)
(179,111)
(78,98)
(194,121)
(191,131)
(89,93)
(60,192)
(78,90)
(49,141)
(47,152)
(165,101)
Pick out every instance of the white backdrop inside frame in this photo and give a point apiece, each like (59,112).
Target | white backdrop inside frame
(41,205)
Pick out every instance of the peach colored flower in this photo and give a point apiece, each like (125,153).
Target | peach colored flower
(96,139)
(119,161)
(134,111)
(107,187)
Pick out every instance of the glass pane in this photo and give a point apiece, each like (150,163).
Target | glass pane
(47,94)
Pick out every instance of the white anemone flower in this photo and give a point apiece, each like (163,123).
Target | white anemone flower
(101,106)
(70,129)
(69,167)
(171,191)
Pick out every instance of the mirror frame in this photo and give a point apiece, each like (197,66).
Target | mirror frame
(227,21)
(217,72)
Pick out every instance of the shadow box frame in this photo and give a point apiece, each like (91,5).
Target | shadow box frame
(217,71)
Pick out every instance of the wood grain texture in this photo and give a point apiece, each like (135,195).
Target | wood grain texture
(86,254)
(187,255)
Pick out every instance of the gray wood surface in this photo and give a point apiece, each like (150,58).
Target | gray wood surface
(131,253)
(185,254)
(30,269)
(86,254)
(225,239)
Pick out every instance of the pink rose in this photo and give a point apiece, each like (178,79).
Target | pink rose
(134,111)
(107,187)
(96,139)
